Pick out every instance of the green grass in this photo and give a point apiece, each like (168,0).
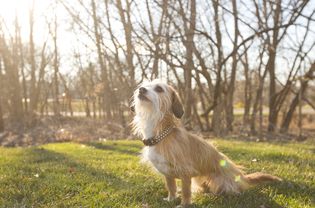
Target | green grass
(108,174)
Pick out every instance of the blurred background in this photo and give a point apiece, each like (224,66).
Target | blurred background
(243,68)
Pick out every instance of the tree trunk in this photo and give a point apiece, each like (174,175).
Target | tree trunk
(56,72)
(273,114)
(12,74)
(231,86)
(247,91)
(189,65)
(202,93)
(272,118)
(104,71)
(87,108)
(126,21)
(300,122)
(1,118)
(257,100)
(1,113)
(94,107)
(32,63)
(156,38)
(217,124)
(24,86)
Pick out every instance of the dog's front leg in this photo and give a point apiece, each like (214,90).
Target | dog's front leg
(186,191)
(171,187)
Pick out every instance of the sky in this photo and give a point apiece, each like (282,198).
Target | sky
(44,10)
(9,9)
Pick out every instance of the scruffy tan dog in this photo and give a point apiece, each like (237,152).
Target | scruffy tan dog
(176,153)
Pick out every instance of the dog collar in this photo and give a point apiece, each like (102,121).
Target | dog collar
(156,139)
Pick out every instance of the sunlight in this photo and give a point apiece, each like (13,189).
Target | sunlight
(9,10)
(225,75)
(237,178)
(223,163)
(44,13)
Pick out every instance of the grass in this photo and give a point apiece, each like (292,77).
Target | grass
(108,174)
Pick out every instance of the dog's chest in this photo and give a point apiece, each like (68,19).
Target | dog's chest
(157,160)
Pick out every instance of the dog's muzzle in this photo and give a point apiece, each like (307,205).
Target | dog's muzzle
(142,92)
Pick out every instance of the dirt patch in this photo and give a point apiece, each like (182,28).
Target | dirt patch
(61,129)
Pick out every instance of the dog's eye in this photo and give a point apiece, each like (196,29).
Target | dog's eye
(158,89)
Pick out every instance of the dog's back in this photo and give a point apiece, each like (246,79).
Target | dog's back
(189,155)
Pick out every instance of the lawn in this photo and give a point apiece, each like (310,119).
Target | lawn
(108,174)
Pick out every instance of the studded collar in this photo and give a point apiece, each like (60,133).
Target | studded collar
(156,139)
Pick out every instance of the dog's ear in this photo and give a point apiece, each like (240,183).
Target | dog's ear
(132,108)
(131,105)
(177,106)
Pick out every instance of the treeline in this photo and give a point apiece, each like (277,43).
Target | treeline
(215,52)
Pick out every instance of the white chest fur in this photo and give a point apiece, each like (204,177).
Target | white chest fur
(149,154)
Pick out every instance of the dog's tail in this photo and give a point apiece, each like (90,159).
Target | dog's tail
(227,177)
(258,177)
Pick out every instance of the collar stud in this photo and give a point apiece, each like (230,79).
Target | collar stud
(156,139)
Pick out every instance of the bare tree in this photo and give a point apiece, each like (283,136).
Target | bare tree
(54,34)
(231,84)
(275,99)
(33,80)
(10,66)
(125,18)
(297,99)
(181,41)
(217,96)
(100,53)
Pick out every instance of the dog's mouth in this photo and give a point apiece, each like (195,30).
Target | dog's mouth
(143,97)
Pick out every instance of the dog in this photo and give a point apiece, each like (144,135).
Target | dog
(178,154)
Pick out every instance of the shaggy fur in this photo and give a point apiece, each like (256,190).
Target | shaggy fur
(181,154)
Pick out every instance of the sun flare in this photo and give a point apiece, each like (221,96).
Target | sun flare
(20,10)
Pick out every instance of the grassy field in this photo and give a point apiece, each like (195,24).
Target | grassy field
(108,174)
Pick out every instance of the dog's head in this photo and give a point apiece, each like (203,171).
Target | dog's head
(156,98)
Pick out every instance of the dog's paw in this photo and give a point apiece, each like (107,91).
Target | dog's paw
(184,206)
(169,198)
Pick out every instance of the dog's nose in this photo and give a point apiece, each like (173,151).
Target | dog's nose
(142,90)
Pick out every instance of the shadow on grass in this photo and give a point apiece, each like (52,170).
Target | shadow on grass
(125,189)
(71,166)
(249,199)
(241,154)
(63,170)
(290,188)
(117,189)
(257,197)
(55,179)
(129,149)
